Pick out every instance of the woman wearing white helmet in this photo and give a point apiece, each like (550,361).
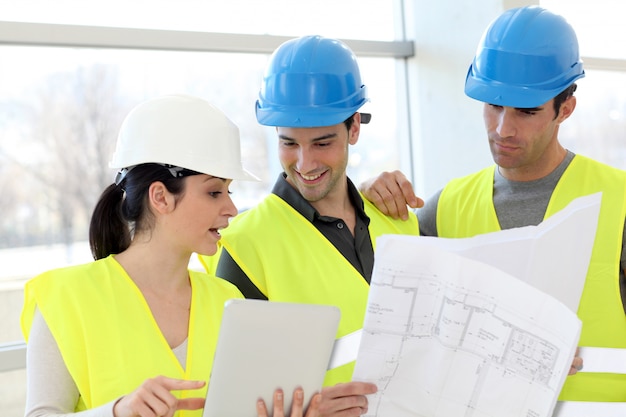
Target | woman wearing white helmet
(133,333)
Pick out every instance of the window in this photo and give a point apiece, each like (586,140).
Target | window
(598,126)
(598,25)
(61,120)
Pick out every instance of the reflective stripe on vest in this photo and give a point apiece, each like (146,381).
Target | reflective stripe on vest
(589,409)
(605,360)
(345,349)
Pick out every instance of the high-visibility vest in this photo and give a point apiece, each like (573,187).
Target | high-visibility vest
(107,334)
(289,260)
(466,209)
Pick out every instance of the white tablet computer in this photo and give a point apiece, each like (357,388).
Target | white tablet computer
(264,345)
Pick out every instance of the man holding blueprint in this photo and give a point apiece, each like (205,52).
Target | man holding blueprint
(524,72)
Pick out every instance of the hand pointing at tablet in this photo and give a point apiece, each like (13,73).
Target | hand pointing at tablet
(153,398)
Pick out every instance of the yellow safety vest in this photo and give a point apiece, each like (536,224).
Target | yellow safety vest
(108,337)
(289,260)
(466,209)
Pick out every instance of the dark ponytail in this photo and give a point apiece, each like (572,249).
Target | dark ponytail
(122,208)
(108,231)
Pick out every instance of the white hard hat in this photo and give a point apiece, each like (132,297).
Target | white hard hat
(184,131)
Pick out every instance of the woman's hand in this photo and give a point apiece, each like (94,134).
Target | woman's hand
(154,399)
(297,406)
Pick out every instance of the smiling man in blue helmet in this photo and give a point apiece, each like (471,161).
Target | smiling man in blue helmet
(524,72)
(312,239)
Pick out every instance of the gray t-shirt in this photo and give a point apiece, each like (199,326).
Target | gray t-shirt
(517,204)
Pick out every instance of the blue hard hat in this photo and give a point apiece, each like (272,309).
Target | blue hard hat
(311,81)
(526,57)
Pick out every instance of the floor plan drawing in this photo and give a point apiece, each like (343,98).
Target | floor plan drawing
(446,336)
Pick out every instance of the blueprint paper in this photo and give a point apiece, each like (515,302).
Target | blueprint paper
(446,336)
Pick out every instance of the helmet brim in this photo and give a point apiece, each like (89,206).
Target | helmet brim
(304,118)
(501,94)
